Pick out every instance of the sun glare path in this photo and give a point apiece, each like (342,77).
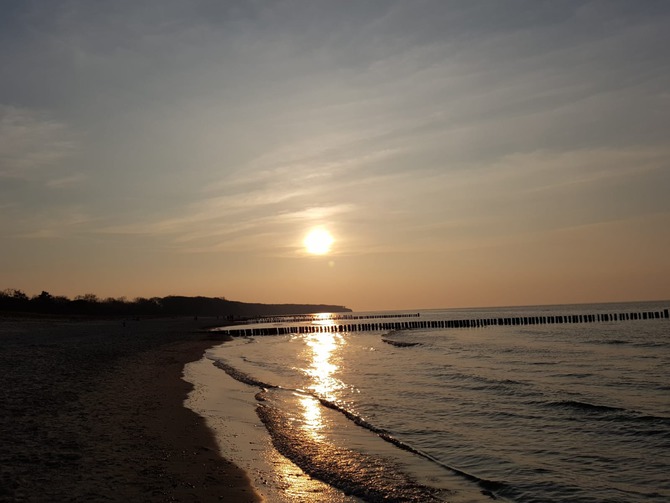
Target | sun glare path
(318,241)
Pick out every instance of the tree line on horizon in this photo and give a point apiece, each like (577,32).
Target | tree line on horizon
(16,301)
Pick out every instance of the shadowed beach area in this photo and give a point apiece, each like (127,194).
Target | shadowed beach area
(92,410)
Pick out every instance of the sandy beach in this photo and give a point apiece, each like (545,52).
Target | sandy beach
(93,411)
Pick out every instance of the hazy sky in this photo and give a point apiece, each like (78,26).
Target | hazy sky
(461,153)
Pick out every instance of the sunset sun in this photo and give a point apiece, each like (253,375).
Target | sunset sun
(318,241)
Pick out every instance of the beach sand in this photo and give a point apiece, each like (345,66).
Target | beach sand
(93,411)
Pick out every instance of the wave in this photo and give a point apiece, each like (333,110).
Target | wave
(388,339)
(401,344)
(582,406)
(372,478)
(385,435)
(608,413)
(348,470)
(573,375)
(475,382)
(651,344)
(238,375)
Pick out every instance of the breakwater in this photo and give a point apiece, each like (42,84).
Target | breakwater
(298,318)
(399,323)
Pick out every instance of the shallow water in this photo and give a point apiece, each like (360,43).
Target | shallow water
(538,413)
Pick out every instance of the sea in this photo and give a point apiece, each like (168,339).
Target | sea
(537,413)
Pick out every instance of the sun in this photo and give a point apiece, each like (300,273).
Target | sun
(318,241)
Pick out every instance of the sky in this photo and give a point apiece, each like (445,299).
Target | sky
(460,153)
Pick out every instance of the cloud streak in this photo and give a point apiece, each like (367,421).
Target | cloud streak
(30,143)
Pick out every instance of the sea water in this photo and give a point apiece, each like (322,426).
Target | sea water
(534,413)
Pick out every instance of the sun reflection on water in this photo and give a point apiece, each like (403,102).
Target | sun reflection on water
(312,419)
(323,319)
(323,363)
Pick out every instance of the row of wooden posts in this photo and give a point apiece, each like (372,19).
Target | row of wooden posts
(471,323)
(294,318)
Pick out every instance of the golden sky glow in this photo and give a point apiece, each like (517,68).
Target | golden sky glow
(462,154)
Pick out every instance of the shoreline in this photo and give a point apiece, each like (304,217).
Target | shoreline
(94,410)
(317,454)
(229,409)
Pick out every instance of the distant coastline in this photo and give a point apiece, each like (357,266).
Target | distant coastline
(13,302)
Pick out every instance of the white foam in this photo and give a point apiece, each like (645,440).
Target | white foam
(228,407)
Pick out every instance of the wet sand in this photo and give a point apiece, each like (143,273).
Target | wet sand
(93,411)
(229,407)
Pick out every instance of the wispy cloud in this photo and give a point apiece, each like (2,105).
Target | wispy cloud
(30,143)
(60,223)
(66,182)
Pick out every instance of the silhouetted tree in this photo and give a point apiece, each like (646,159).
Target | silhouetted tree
(45,296)
(14,300)
(87,297)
